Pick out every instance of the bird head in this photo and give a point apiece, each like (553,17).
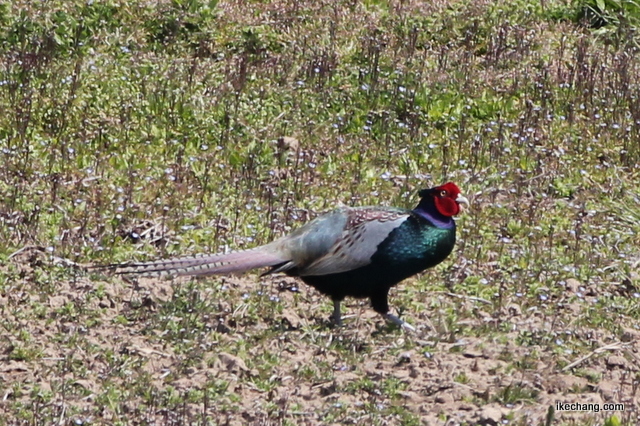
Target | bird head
(446,198)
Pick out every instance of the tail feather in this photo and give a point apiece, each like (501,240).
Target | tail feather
(235,262)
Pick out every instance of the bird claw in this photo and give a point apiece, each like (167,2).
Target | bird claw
(400,323)
(336,321)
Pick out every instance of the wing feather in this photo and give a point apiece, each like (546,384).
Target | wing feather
(358,241)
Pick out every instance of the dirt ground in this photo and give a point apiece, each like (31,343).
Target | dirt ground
(92,367)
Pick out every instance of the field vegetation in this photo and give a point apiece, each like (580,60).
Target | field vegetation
(138,130)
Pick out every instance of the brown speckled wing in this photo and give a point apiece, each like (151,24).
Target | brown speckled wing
(365,228)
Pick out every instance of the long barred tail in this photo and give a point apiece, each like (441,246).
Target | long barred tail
(235,262)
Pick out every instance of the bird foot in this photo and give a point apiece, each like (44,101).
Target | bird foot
(337,322)
(402,324)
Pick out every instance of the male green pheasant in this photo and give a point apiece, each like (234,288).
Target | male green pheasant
(360,252)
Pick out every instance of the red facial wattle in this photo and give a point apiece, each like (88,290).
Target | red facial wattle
(447,206)
(446,199)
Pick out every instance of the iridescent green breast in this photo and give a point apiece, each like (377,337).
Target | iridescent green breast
(414,246)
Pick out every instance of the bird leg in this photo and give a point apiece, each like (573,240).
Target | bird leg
(336,316)
(402,324)
(380,304)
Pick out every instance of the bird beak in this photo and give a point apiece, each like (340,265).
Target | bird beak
(462,202)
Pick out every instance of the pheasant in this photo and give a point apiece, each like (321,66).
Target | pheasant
(360,252)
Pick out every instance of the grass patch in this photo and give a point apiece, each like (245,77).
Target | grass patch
(138,131)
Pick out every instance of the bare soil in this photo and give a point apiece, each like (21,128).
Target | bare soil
(438,378)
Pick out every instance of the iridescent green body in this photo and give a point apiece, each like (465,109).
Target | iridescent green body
(410,248)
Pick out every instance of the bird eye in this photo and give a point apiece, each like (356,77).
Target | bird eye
(443,193)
